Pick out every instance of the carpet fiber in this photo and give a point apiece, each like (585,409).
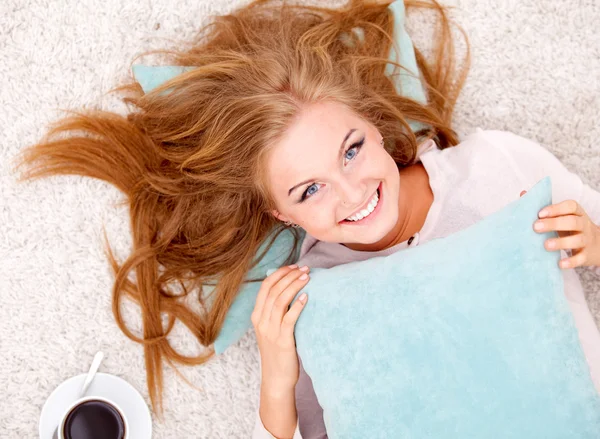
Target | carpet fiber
(535,71)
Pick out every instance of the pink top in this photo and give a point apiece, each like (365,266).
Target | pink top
(470,181)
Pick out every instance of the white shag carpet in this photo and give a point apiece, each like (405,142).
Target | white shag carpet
(535,71)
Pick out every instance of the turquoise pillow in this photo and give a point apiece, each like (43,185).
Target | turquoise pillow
(467,336)
(150,77)
(408,84)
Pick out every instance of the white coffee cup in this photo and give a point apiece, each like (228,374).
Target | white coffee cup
(61,425)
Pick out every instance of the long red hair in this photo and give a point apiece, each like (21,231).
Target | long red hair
(189,161)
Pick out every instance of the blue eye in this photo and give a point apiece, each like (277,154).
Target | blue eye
(309,191)
(351,153)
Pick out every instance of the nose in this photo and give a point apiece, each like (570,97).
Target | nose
(350,194)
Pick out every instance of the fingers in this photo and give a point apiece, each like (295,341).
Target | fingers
(291,317)
(284,297)
(566,243)
(572,223)
(271,288)
(265,287)
(580,259)
(272,315)
(567,207)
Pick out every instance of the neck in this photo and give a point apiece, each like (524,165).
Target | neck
(415,199)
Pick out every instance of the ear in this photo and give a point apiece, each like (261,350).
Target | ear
(279,216)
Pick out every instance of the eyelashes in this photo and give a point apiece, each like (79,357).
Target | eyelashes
(355,146)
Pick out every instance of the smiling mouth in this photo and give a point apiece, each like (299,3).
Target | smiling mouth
(368,212)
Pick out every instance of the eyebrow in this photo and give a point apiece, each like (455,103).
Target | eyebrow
(341,150)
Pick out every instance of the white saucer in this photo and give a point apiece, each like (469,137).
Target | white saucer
(106,385)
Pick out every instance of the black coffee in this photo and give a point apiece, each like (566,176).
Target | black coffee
(94,419)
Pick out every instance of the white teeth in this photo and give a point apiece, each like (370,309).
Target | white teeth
(365,212)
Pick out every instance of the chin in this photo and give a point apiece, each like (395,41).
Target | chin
(375,234)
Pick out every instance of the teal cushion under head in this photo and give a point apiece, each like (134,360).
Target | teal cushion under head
(408,80)
(408,83)
(466,336)
(150,77)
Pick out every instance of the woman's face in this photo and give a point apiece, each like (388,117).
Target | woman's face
(325,175)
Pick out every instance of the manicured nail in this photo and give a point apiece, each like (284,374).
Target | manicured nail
(543,213)
(538,226)
(551,244)
(302,298)
(305,268)
(565,264)
(293,266)
(304,276)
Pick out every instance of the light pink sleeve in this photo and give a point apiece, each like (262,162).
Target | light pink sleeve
(310,412)
(535,162)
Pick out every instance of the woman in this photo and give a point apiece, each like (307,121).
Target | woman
(254,140)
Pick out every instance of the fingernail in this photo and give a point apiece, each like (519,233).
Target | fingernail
(543,213)
(302,298)
(304,276)
(293,266)
(538,226)
(565,264)
(305,268)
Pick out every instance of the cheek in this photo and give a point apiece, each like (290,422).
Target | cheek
(323,215)
(381,165)
(319,217)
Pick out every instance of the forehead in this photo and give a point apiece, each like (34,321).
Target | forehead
(310,144)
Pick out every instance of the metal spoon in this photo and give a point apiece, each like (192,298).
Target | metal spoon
(88,380)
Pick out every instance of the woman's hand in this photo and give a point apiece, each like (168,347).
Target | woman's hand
(274,327)
(576,231)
